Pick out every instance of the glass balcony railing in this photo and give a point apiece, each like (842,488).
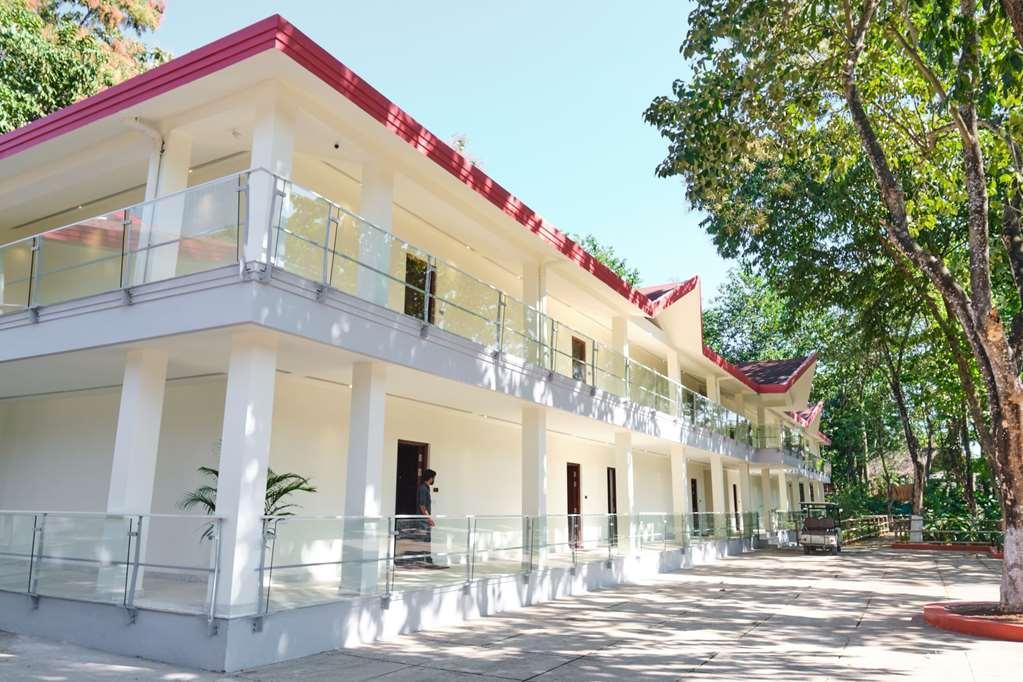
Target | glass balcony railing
(318,240)
(203,227)
(793,443)
(191,231)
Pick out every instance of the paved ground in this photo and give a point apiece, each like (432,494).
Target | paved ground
(768,615)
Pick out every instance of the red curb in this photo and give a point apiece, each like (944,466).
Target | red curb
(959,547)
(939,616)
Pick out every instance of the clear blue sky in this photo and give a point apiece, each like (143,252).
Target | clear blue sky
(549,94)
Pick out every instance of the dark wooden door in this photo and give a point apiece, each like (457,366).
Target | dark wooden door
(574,504)
(735,506)
(612,506)
(413,459)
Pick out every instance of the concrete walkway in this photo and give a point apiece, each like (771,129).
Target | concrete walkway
(768,615)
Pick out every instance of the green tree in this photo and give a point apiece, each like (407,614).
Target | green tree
(53,54)
(869,130)
(607,255)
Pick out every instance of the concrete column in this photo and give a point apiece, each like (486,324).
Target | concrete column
(767,519)
(273,148)
(244,459)
(620,344)
(534,483)
(376,205)
(156,245)
(745,497)
(713,389)
(365,529)
(681,505)
(626,486)
(718,494)
(133,470)
(534,295)
(783,493)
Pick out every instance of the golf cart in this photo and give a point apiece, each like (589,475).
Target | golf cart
(822,527)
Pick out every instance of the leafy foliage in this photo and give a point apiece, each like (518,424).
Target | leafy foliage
(607,255)
(53,54)
(278,488)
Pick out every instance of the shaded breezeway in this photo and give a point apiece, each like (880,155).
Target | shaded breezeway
(767,615)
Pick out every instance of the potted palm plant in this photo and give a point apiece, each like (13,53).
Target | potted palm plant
(278,488)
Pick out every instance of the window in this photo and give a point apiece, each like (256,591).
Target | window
(578,359)
(417,272)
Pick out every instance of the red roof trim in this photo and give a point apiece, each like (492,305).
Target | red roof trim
(806,417)
(275,32)
(327,68)
(664,301)
(219,54)
(822,438)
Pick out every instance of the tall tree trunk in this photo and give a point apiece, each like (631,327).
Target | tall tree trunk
(1014,8)
(974,309)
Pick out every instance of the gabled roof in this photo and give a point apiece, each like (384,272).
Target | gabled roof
(276,33)
(775,371)
(806,417)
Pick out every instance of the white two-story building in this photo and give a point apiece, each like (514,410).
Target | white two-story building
(249,259)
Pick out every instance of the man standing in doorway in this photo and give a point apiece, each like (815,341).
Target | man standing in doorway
(424,506)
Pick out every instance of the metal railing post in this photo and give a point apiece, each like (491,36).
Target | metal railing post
(241,230)
(500,321)
(470,549)
(35,267)
(40,536)
(134,533)
(218,528)
(392,540)
(32,553)
(431,270)
(125,229)
(328,263)
(263,598)
(552,362)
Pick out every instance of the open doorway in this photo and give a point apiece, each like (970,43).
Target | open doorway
(574,504)
(612,506)
(413,460)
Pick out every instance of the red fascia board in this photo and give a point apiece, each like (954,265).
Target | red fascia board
(822,438)
(709,353)
(305,52)
(668,299)
(218,55)
(275,32)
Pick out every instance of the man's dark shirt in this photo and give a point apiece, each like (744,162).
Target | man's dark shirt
(423,499)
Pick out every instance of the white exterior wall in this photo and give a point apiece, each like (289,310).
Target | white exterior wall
(55,451)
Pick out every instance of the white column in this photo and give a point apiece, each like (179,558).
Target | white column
(273,147)
(162,221)
(534,482)
(745,498)
(366,529)
(713,389)
(534,295)
(534,461)
(376,205)
(625,481)
(783,492)
(766,502)
(620,344)
(681,505)
(133,470)
(718,498)
(244,459)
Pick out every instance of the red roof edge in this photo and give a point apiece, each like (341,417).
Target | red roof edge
(822,438)
(806,417)
(307,53)
(746,379)
(663,302)
(275,32)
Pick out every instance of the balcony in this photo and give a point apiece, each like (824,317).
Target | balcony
(793,447)
(206,227)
